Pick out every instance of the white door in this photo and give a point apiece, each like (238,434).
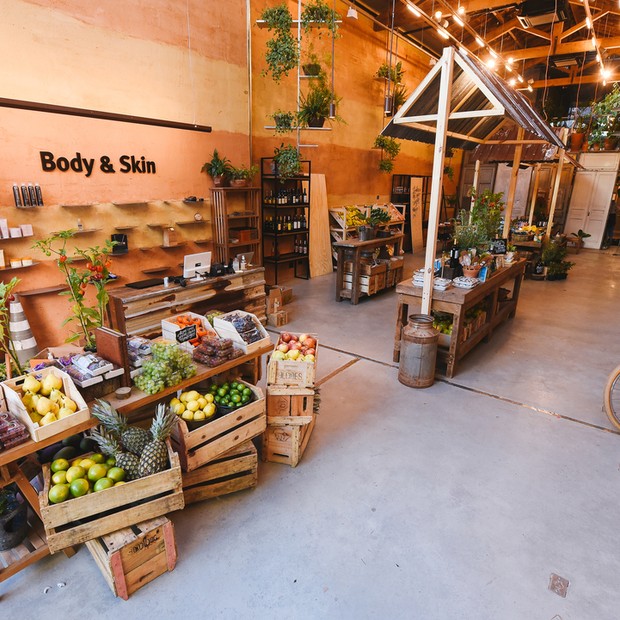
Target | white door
(580,201)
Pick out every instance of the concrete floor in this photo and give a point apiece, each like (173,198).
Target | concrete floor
(455,502)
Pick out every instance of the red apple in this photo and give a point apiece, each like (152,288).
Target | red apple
(285,337)
(302,337)
(294,338)
(283,347)
(310,342)
(310,351)
(294,346)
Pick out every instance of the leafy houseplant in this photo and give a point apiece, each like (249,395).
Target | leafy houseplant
(6,344)
(553,256)
(319,14)
(218,168)
(399,96)
(394,74)
(606,118)
(287,162)
(284,121)
(282,50)
(314,106)
(85,317)
(312,64)
(389,150)
(241,177)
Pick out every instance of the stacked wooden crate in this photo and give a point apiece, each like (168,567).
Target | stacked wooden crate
(290,409)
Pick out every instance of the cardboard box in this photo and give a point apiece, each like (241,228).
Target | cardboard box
(171,237)
(26,230)
(274,300)
(278,319)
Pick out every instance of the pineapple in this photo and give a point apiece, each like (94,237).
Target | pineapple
(133,439)
(109,445)
(154,457)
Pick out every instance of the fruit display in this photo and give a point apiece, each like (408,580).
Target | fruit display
(82,476)
(215,351)
(176,328)
(246,325)
(296,348)
(442,321)
(45,400)
(193,406)
(355,217)
(12,431)
(138,451)
(231,395)
(168,366)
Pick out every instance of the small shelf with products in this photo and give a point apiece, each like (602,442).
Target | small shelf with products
(286,219)
(10,268)
(235,215)
(192,223)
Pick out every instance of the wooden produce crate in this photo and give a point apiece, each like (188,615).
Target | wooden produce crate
(368,284)
(225,329)
(83,518)
(292,373)
(366,269)
(133,556)
(290,423)
(232,471)
(12,389)
(206,443)
(183,335)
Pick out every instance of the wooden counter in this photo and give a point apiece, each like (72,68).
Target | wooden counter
(139,312)
(458,301)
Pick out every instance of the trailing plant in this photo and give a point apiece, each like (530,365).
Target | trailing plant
(217,166)
(287,161)
(319,14)
(6,344)
(243,172)
(282,50)
(284,121)
(386,165)
(389,150)
(606,113)
(394,74)
(399,96)
(311,64)
(85,317)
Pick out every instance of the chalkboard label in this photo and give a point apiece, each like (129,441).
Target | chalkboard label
(187,333)
(499,246)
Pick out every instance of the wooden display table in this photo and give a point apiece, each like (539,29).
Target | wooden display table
(35,546)
(458,301)
(354,249)
(139,312)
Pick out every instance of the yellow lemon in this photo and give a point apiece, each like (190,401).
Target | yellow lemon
(192,405)
(73,473)
(87,463)
(59,465)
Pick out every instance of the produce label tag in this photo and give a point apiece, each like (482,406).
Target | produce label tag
(185,334)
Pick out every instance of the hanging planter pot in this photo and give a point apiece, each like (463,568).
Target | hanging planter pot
(316,121)
(311,68)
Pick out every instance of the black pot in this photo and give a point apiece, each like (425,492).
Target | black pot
(13,526)
(366,233)
(311,68)
(316,121)
(557,276)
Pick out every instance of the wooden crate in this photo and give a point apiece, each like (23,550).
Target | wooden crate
(225,329)
(290,422)
(292,373)
(232,471)
(133,556)
(207,442)
(12,389)
(83,518)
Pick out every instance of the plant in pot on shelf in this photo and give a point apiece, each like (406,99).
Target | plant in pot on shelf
(319,14)
(287,162)
(242,176)
(579,129)
(378,218)
(389,150)
(218,168)
(6,343)
(285,121)
(553,256)
(283,49)
(86,316)
(314,106)
(606,118)
(394,74)
(13,518)
(311,65)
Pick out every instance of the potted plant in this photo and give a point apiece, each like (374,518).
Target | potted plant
(394,74)
(399,96)
(377,219)
(218,168)
(86,317)
(319,14)
(580,126)
(312,64)
(287,162)
(13,518)
(389,150)
(285,121)
(241,177)
(282,50)
(606,118)
(595,138)
(578,238)
(553,256)
(314,106)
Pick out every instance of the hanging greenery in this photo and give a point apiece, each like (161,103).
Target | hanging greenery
(318,14)
(285,121)
(394,74)
(282,50)
(287,161)
(389,150)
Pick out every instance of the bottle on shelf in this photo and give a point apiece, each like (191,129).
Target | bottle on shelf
(16,196)
(304,197)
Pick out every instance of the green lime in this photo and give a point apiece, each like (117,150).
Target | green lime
(96,472)
(97,457)
(116,473)
(79,487)
(58,493)
(60,465)
(60,477)
(235,397)
(111,461)
(103,483)
(75,472)
(222,391)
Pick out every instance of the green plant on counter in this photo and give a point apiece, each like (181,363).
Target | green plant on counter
(243,172)
(287,161)
(6,343)
(319,14)
(85,317)
(217,166)
(283,49)
(378,217)
(486,213)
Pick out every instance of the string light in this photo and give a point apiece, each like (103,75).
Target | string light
(491,62)
(512,82)
(588,23)
(438,15)
(461,9)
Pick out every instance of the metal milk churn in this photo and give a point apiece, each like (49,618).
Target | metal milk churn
(418,352)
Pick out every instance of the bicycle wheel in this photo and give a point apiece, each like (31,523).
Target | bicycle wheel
(612,397)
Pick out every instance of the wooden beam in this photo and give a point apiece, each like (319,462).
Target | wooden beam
(567,81)
(573,47)
(474,6)
(556,189)
(534,193)
(450,134)
(512,189)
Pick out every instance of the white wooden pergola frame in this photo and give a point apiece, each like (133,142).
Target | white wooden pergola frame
(445,69)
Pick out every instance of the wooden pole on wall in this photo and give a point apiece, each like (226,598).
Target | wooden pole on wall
(443,112)
(534,193)
(512,189)
(474,183)
(556,191)
(320,241)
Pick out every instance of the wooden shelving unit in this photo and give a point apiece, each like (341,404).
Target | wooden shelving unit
(55,288)
(139,203)
(20,267)
(85,205)
(124,228)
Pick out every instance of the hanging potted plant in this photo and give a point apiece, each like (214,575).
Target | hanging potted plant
(241,177)
(285,121)
(218,168)
(319,14)
(311,65)
(287,162)
(13,518)
(314,106)
(282,50)
(580,126)
(394,74)
(606,119)
(389,150)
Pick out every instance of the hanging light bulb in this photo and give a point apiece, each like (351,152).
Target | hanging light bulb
(443,33)
(510,60)
(414,10)
(438,15)
(491,62)
(479,41)
(598,57)
(520,78)
(512,82)
(588,23)
(352,13)
(529,87)
(493,53)
(461,9)
(459,21)
(606,73)
(593,42)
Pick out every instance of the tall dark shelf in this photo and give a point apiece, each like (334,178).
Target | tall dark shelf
(286,202)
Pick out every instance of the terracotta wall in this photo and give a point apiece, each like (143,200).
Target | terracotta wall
(173,61)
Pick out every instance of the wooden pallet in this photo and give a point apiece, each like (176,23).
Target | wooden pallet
(32,549)
(233,471)
(203,445)
(133,556)
(90,516)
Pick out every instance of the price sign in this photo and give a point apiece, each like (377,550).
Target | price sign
(499,246)
(185,334)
